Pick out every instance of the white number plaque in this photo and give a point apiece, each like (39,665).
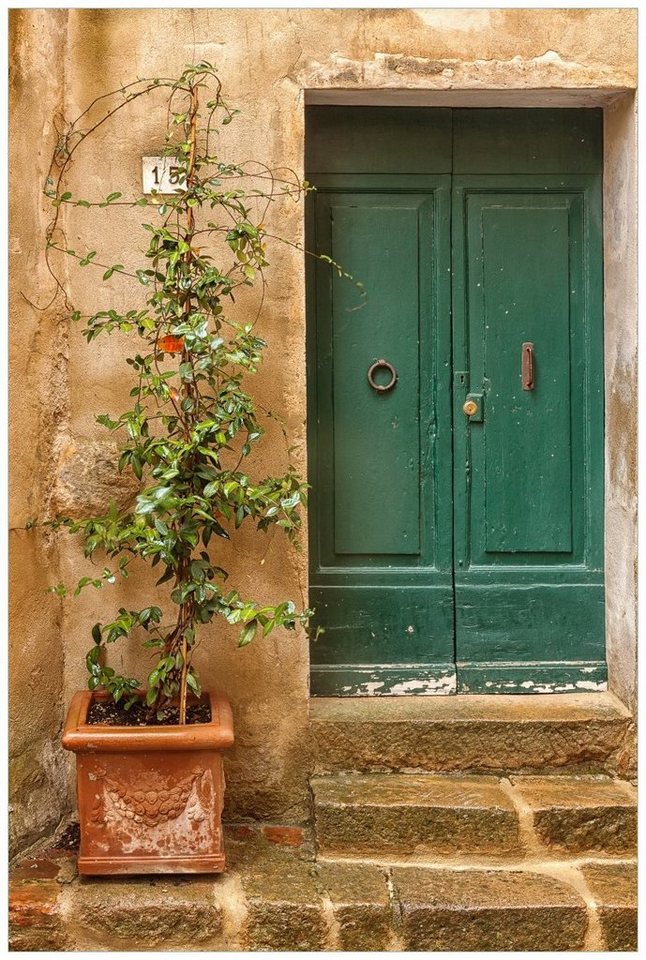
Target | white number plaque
(161,175)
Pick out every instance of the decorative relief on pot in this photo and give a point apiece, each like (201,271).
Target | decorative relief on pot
(150,805)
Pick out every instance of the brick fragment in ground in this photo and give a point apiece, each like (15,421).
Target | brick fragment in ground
(145,913)
(469,733)
(407,813)
(284,836)
(614,889)
(360,904)
(35,920)
(487,910)
(582,814)
(36,868)
(284,905)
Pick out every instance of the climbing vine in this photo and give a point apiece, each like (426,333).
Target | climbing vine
(192,423)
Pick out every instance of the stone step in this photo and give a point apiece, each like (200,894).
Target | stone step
(576,815)
(491,910)
(272,899)
(613,888)
(414,814)
(473,817)
(589,732)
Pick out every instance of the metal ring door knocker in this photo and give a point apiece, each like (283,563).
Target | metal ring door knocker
(382,365)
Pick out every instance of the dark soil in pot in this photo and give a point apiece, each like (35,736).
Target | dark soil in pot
(111,714)
(70,838)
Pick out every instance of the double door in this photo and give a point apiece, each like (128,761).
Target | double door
(455,410)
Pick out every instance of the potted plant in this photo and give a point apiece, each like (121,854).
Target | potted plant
(149,751)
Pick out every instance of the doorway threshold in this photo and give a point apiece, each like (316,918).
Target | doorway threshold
(569,732)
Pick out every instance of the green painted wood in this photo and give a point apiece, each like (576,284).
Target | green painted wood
(559,676)
(416,679)
(396,622)
(380,464)
(520,141)
(529,479)
(435,539)
(377,140)
(505,620)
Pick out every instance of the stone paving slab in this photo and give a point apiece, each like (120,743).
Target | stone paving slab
(580,732)
(582,814)
(283,901)
(361,905)
(614,889)
(409,813)
(139,913)
(488,910)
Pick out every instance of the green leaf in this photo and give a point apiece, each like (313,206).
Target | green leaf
(168,575)
(248,633)
(96,633)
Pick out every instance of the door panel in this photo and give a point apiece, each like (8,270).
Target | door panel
(381,530)
(528,467)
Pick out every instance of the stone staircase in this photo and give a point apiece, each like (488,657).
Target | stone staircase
(464,823)
(500,822)
(473,818)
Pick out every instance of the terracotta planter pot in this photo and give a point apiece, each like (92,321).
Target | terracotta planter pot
(149,798)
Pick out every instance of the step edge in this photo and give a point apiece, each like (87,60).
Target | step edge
(601,707)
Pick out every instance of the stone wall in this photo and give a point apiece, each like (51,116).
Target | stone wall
(270,61)
(38,408)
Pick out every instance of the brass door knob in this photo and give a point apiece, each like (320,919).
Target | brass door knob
(470,407)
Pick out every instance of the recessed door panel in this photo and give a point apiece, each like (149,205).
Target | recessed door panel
(376,459)
(525,303)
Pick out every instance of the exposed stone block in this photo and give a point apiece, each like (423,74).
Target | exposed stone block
(471,910)
(614,888)
(579,814)
(88,480)
(408,813)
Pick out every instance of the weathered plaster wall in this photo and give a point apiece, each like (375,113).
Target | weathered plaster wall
(38,414)
(266,59)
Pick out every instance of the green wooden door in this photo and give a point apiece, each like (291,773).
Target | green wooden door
(452,551)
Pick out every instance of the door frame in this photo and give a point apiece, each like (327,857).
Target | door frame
(620,325)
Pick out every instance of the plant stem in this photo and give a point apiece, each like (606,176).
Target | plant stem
(186,608)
